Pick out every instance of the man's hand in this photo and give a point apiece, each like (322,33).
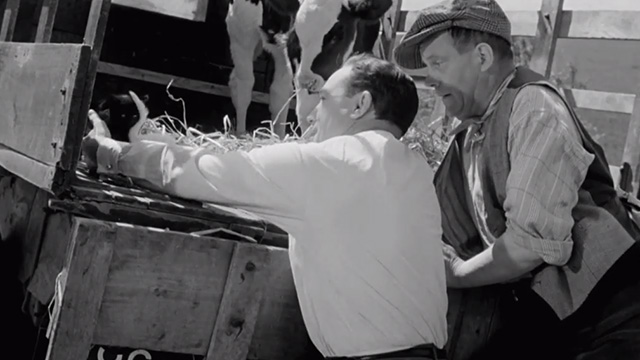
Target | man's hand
(451,263)
(91,142)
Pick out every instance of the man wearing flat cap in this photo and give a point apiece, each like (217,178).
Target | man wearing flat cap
(526,195)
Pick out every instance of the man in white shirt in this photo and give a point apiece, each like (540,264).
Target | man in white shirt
(358,204)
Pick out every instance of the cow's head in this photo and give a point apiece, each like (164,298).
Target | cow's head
(325,34)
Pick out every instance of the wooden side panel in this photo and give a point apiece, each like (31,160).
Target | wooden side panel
(81,290)
(165,291)
(243,293)
(195,10)
(546,36)
(42,87)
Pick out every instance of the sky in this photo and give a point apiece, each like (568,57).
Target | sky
(515,5)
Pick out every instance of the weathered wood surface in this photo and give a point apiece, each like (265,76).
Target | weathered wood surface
(242,298)
(81,291)
(164,290)
(110,198)
(48,12)
(42,87)
(9,18)
(195,10)
(546,36)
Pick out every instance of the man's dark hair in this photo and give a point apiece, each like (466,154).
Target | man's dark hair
(394,94)
(464,39)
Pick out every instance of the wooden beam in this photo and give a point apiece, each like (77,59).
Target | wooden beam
(43,86)
(387,36)
(621,25)
(194,10)
(631,154)
(235,322)
(544,47)
(48,12)
(10,15)
(179,82)
(76,309)
(601,101)
(578,24)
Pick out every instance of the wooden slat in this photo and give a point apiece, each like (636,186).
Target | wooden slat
(195,10)
(179,82)
(631,154)
(386,39)
(243,293)
(601,101)
(43,86)
(621,25)
(45,23)
(87,269)
(165,289)
(544,46)
(9,17)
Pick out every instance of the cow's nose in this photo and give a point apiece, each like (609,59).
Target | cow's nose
(310,81)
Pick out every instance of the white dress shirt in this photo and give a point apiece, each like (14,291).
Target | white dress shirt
(364,226)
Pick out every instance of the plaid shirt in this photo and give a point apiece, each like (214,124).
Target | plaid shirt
(548,165)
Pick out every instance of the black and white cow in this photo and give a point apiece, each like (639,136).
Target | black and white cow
(308,40)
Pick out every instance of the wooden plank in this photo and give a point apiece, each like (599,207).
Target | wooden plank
(601,101)
(9,18)
(280,332)
(243,294)
(387,36)
(195,10)
(51,260)
(621,25)
(631,154)
(179,82)
(87,267)
(48,12)
(41,126)
(164,290)
(546,37)
(592,24)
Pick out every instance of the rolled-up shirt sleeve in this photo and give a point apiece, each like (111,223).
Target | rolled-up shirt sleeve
(269,181)
(548,166)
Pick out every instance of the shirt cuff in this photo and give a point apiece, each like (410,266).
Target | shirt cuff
(107,156)
(552,252)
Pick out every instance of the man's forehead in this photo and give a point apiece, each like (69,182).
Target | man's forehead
(338,78)
(437,43)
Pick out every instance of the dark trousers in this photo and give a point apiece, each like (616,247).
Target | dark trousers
(605,327)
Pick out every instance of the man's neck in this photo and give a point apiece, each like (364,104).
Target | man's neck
(374,125)
(492,83)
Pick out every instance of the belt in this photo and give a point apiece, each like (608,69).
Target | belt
(427,351)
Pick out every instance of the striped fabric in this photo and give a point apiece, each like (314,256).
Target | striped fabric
(543,183)
(481,15)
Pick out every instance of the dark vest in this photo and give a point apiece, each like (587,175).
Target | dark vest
(602,231)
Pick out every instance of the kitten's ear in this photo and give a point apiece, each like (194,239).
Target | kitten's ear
(104,103)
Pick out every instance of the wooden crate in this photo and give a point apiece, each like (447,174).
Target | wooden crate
(120,265)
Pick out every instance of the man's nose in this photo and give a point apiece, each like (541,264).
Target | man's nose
(432,82)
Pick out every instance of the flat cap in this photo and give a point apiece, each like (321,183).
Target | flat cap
(481,15)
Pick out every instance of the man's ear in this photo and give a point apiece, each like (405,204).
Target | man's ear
(484,55)
(363,103)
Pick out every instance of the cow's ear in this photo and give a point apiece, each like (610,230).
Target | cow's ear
(367,9)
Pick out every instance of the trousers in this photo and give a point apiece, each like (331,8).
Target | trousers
(605,327)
